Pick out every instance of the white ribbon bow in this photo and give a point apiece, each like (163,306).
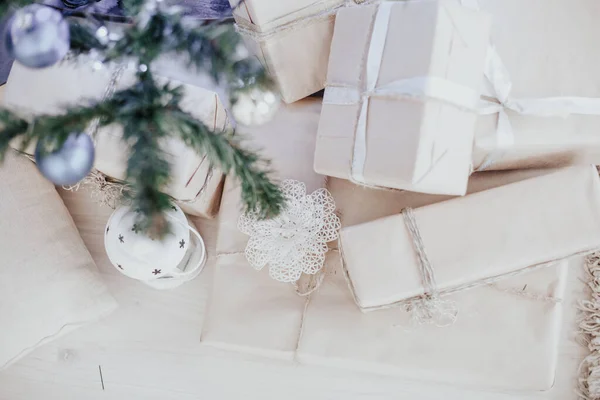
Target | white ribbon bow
(499,79)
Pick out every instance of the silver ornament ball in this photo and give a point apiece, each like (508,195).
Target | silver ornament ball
(37,36)
(255,106)
(68,164)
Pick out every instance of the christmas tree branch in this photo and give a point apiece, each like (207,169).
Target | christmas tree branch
(82,39)
(150,113)
(6,6)
(259,194)
(11,127)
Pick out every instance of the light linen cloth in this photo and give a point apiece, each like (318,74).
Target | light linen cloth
(49,284)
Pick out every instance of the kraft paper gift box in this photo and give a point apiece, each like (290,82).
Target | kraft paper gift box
(504,337)
(291,38)
(245,304)
(403,83)
(473,240)
(195,185)
(251,313)
(544,63)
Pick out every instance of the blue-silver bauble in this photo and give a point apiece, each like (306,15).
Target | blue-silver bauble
(69,164)
(37,36)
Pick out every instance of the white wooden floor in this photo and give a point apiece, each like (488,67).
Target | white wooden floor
(149,349)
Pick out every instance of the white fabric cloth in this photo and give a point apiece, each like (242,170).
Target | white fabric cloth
(49,284)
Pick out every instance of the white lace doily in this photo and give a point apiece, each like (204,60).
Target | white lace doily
(294,242)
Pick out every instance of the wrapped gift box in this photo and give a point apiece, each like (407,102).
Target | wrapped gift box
(246,304)
(504,337)
(251,313)
(195,185)
(415,129)
(543,63)
(291,38)
(475,239)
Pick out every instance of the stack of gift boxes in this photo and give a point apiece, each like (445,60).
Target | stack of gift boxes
(421,98)
(195,185)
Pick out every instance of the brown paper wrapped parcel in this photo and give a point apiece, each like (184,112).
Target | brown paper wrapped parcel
(195,185)
(505,337)
(291,38)
(251,298)
(475,239)
(550,87)
(400,104)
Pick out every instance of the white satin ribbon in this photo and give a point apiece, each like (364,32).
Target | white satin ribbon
(501,87)
(427,87)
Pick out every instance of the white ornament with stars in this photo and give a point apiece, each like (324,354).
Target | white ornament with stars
(162,264)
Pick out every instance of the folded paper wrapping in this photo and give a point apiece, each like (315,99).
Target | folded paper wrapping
(292,38)
(410,123)
(243,299)
(544,62)
(502,339)
(194,184)
(475,239)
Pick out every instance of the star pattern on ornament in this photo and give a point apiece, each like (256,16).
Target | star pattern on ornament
(121,239)
(135,228)
(182,244)
(156,271)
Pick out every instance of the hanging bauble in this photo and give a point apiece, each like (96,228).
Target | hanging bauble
(37,36)
(255,106)
(70,163)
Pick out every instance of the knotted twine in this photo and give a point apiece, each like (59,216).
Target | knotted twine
(319,11)
(589,331)
(430,307)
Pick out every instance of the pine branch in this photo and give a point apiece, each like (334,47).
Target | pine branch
(82,38)
(11,127)
(148,170)
(259,194)
(53,129)
(8,6)
(150,113)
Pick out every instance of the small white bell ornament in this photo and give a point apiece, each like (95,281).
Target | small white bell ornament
(162,264)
